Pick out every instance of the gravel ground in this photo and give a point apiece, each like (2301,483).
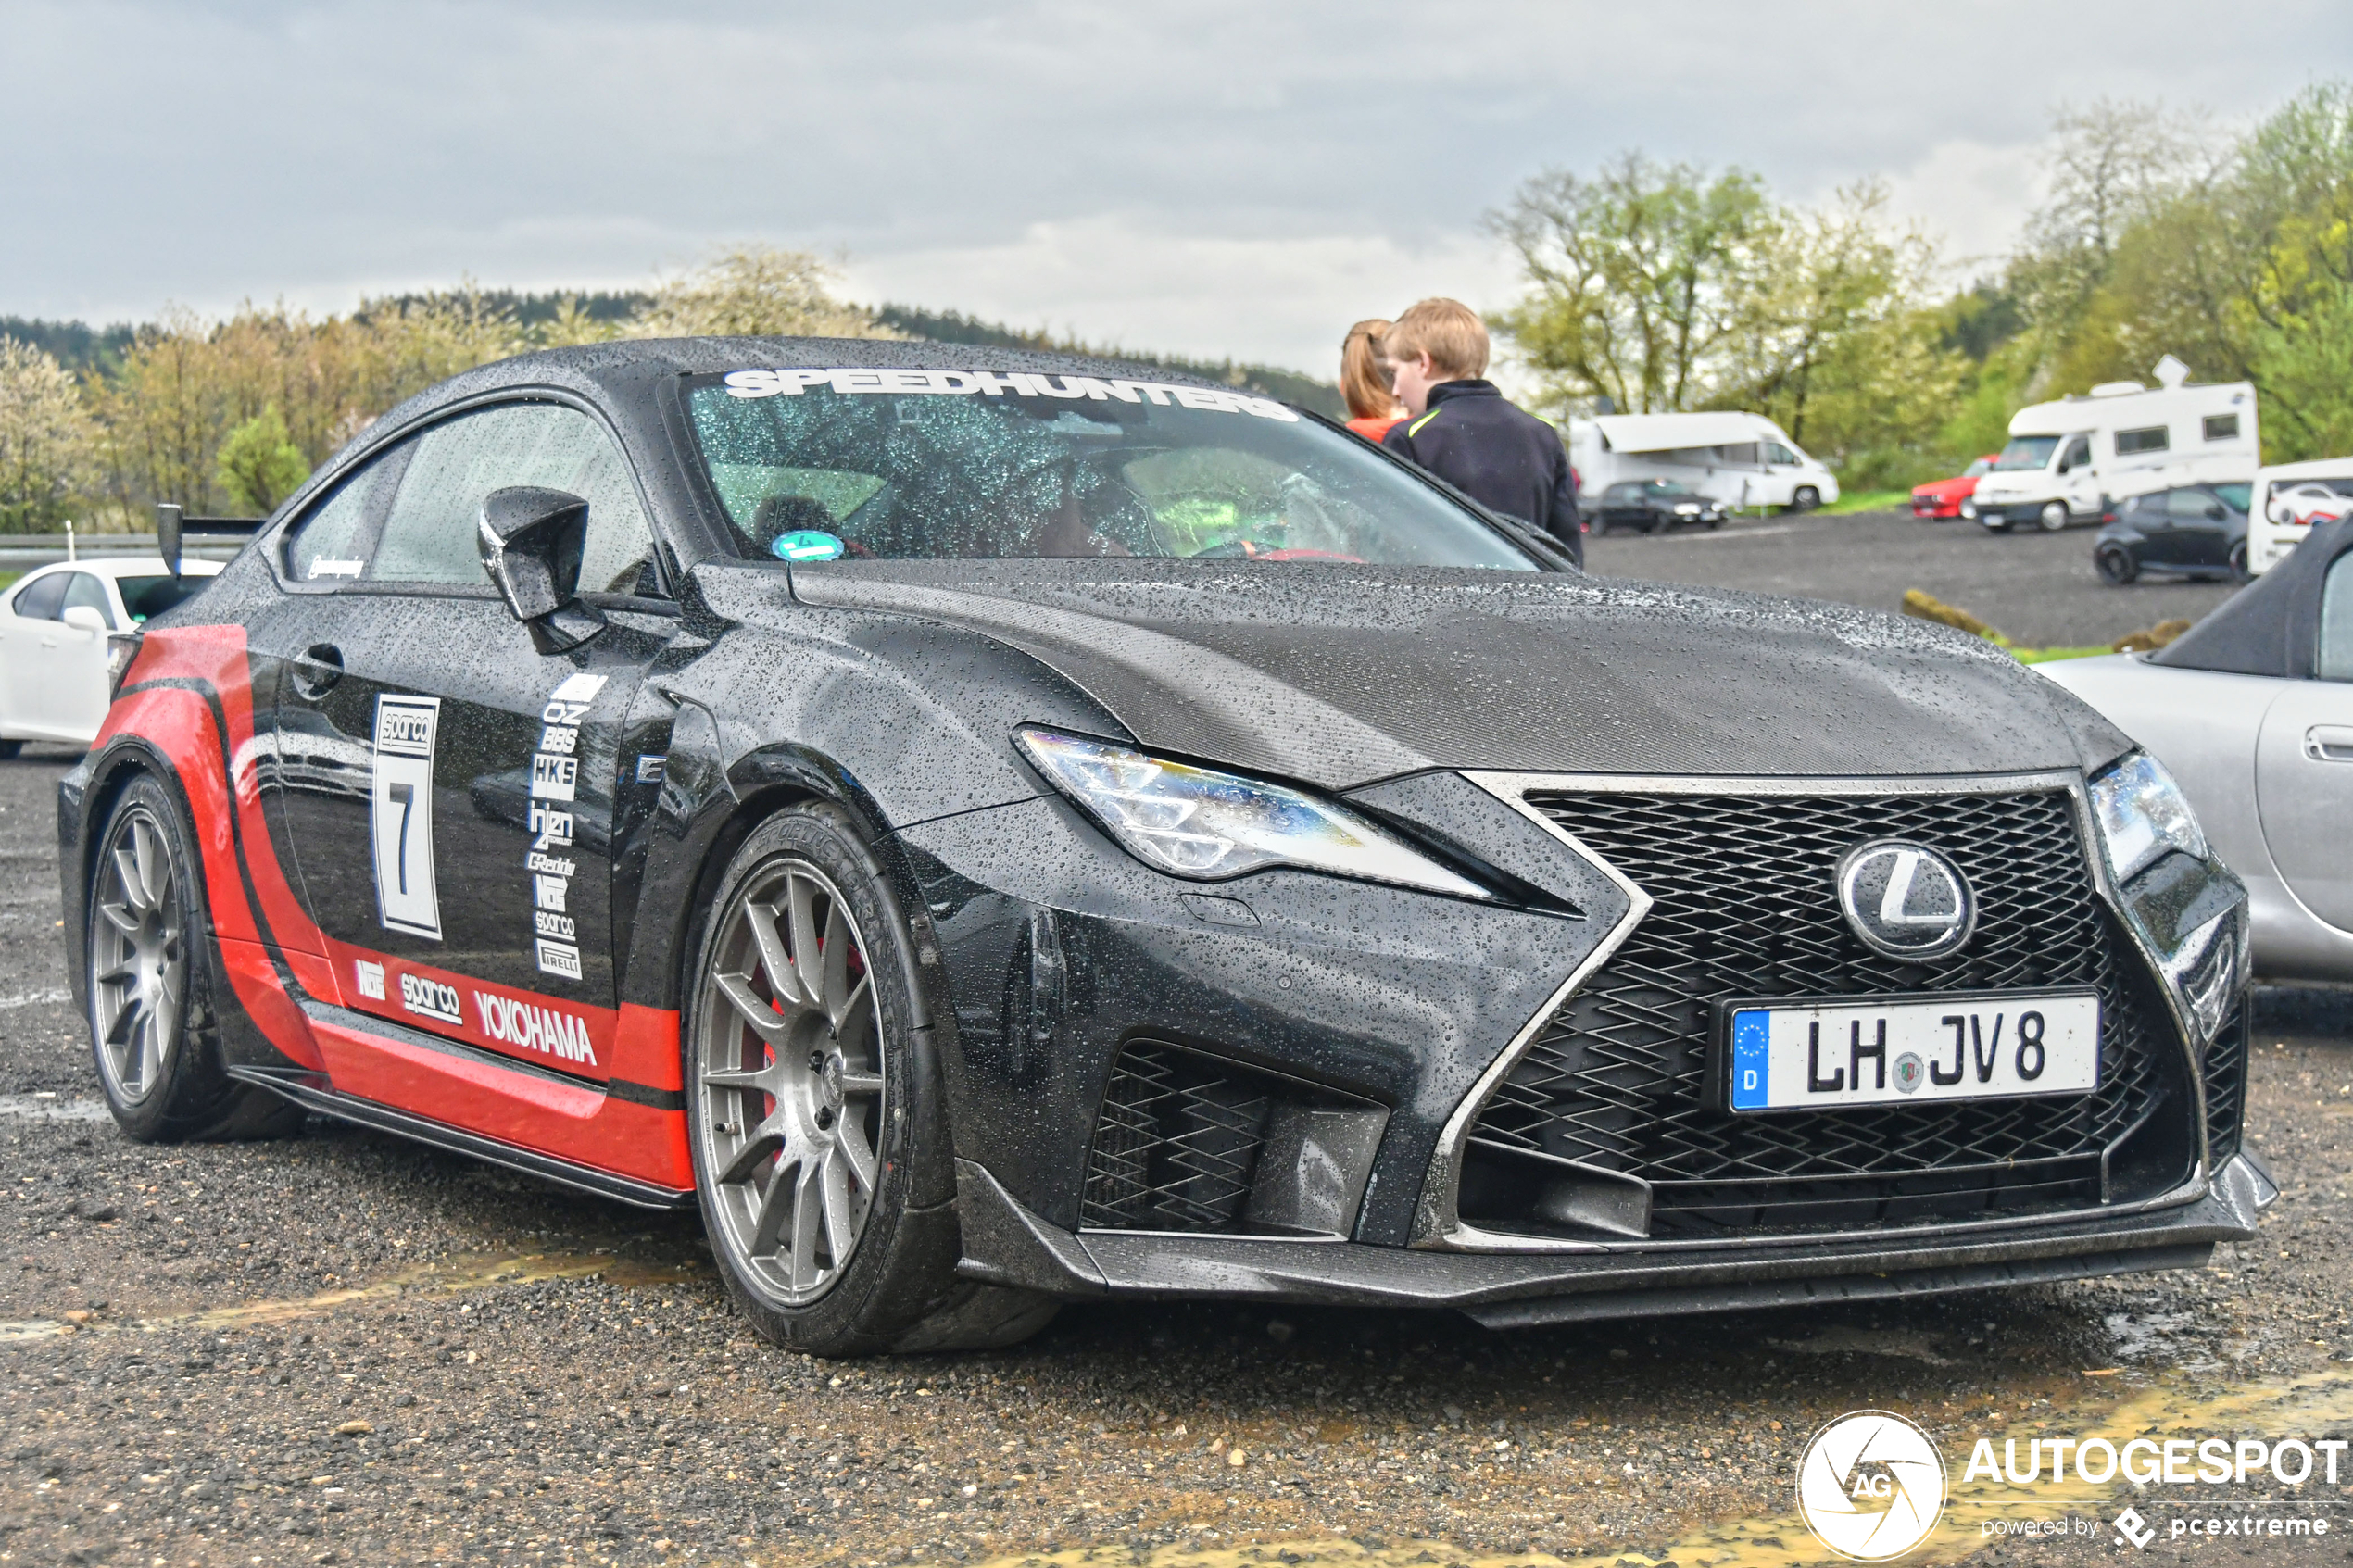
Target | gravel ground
(343,1348)
(2038,588)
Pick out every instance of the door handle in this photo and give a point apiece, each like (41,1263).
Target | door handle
(318,669)
(48,642)
(2329,743)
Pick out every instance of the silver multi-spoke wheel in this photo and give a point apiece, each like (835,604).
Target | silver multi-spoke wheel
(790,1066)
(138,958)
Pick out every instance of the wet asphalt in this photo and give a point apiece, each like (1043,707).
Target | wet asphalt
(341,1349)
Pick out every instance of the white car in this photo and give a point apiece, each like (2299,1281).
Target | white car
(2252,713)
(2290,498)
(53,625)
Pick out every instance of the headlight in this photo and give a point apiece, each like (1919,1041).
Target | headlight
(1194,823)
(122,648)
(1968,508)
(2143,814)
(1687,509)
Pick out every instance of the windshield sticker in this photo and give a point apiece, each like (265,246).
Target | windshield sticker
(555,775)
(808,543)
(988,384)
(337,567)
(400,814)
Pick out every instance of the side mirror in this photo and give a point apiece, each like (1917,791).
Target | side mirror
(532,541)
(82,618)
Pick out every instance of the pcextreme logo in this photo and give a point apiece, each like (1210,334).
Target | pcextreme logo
(1871,1485)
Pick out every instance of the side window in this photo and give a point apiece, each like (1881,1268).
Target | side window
(44,597)
(86,592)
(331,543)
(430,533)
(1776,452)
(2079,453)
(2188,505)
(2335,662)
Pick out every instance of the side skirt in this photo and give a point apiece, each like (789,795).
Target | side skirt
(314,1092)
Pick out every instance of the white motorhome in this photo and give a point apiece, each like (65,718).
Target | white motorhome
(1740,459)
(2067,462)
(2289,498)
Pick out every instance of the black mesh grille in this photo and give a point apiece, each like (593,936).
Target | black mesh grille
(1176,1143)
(2225,1068)
(1745,906)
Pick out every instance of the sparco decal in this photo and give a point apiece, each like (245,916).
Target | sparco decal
(431,999)
(400,814)
(555,780)
(533,1028)
(988,384)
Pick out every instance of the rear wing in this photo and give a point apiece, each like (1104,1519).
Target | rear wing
(173,525)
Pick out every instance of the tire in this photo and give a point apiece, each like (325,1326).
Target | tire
(2052,519)
(1804,498)
(10,749)
(1714,524)
(153,1033)
(2116,565)
(2238,563)
(816,1115)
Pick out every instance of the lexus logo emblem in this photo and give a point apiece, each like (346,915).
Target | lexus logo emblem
(1906,900)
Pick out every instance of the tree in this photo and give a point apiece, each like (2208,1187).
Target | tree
(756,291)
(1637,278)
(48,443)
(259,465)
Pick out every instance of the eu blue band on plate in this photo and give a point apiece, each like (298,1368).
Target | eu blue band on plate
(808,543)
(1751,1031)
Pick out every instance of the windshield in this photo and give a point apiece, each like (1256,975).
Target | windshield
(815,465)
(2027,452)
(1666,487)
(1978,468)
(2238,494)
(144,596)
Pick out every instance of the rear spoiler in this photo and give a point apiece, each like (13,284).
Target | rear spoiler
(174,524)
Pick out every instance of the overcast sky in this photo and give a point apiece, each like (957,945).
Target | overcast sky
(1208,177)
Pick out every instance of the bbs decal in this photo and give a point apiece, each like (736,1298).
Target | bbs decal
(400,814)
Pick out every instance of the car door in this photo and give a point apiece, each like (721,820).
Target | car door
(449,790)
(57,672)
(2304,765)
(2200,526)
(31,620)
(2080,482)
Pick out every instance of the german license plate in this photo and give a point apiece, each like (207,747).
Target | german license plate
(1895,1050)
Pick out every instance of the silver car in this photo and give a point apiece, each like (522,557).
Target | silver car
(2252,712)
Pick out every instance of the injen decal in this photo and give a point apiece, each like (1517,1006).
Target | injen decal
(555,779)
(400,814)
(791,384)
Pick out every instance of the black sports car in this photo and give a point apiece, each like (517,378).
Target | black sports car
(2195,530)
(1654,506)
(994,829)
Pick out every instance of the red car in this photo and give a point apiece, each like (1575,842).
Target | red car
(1944,499)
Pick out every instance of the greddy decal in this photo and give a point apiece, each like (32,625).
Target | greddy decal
(988,384)
(562,1036)
(555,779)
(400,814)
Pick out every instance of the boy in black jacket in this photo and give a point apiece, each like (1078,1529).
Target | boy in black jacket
(1459,428)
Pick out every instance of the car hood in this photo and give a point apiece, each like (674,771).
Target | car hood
(1340,675)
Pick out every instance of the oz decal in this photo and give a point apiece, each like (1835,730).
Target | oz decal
(400,814)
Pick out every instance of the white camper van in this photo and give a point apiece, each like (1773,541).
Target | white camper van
(1740,459)
(2290,498)
(2068,461)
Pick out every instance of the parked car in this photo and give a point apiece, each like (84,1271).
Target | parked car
(1738,459)
(1654,506)
(2189,530)
(1943,497)
(989,829)
(55,627)
(2066,458)
(2290,498)
(2252,710)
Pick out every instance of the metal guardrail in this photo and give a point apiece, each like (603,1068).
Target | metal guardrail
(23,552)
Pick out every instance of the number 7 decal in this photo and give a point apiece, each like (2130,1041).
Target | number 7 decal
(400,814)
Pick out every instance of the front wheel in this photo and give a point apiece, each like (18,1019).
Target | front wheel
(2052,517)
(817,1117)
(1804,498)
(2116,565)
(151,1022)
(2238,563)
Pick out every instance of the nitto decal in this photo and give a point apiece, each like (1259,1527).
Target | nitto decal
(371,978)
(400,814)
(431,999)
(987,383)
(555,777)
(533,1028)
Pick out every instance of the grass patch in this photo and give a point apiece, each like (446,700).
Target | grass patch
(1928,607)
(1869,501)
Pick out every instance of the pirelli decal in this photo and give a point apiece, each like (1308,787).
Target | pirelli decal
(400,814)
